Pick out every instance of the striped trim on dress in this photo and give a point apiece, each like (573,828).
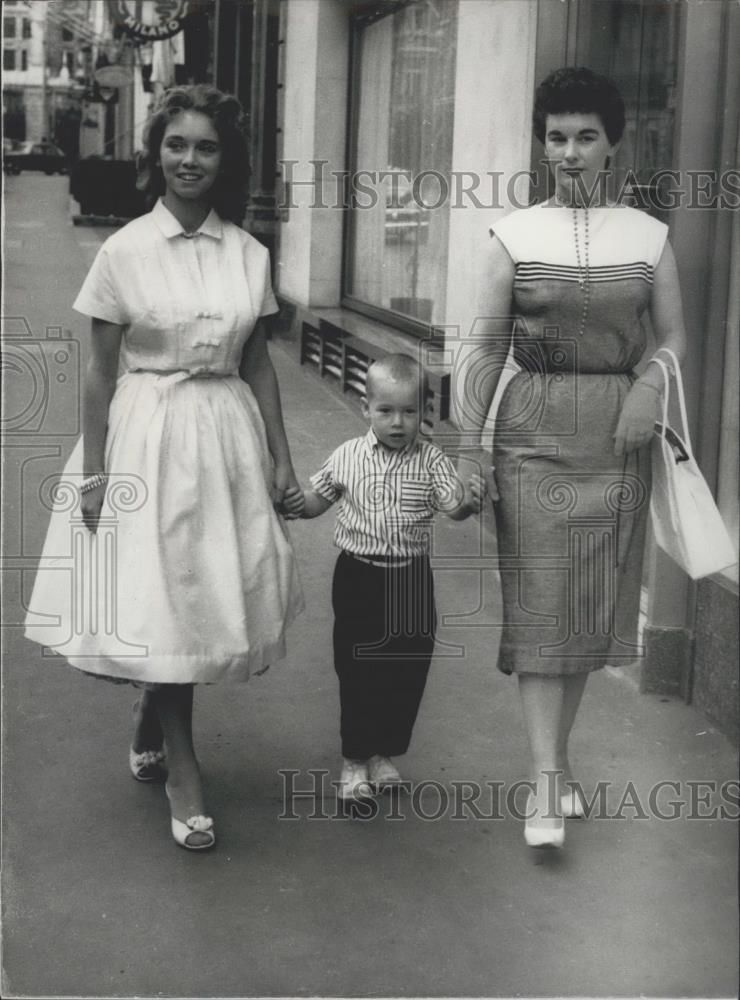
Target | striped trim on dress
(535,270)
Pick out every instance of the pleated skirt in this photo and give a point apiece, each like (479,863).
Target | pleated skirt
(191,576)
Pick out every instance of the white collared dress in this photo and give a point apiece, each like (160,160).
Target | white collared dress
(191,577)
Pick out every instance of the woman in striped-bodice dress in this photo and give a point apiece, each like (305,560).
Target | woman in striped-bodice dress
(572,278)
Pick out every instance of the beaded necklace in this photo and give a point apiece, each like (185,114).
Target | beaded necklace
(584,274)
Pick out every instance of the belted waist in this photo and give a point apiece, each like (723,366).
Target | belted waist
(384,561)
(169,377)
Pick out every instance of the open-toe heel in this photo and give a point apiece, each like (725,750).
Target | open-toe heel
(183,832)
(148,765)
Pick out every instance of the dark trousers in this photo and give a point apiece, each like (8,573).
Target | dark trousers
(384,625)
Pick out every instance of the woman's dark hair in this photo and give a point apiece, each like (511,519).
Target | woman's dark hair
(229,193)
(575,90)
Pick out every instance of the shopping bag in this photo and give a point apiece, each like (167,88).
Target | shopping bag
(686,522)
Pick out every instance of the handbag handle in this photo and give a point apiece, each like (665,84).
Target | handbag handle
(681,397)
(672,355)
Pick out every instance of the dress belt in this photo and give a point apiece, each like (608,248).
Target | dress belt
(167,379)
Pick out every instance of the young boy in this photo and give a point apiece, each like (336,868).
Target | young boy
(388,485)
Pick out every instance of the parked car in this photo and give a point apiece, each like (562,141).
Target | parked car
(107,187)
(44,156)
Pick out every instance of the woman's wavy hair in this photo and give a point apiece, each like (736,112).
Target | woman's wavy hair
(229,192)
(574,90)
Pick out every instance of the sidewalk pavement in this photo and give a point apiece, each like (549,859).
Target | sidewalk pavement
(98,900)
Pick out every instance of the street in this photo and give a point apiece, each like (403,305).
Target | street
(429,897)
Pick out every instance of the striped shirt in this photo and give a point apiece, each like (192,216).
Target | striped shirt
(386,498)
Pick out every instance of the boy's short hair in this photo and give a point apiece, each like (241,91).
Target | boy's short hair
(398,368)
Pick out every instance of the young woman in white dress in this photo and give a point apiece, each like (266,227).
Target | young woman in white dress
(183,459)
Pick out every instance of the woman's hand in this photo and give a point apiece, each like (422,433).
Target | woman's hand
(475,491)
(640,410)
(91,503)
(492,485)
(482,468)
(294,503)
(283,481)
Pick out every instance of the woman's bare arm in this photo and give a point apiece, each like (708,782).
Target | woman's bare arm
(642,404)
(99,386)
(480,360)
(257,371)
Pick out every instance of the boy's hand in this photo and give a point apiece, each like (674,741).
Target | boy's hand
(294,503)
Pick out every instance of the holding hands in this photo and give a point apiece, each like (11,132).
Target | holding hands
(298,503)
(294,503)
(475,492)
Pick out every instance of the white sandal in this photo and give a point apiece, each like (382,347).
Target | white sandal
(147,765)
(195,824)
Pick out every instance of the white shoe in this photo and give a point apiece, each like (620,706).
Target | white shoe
(382,772)
(571,804)
(354,783)
(544,832)
(147,765)
(182,832)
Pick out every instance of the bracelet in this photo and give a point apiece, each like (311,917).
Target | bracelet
(92,482)
(668,363)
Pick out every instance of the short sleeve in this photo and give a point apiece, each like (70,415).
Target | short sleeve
(324,481)
(269,302)
(100,296)
(656,236)
(508,231)
(446,486)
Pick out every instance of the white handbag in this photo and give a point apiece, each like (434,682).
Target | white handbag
(687,524)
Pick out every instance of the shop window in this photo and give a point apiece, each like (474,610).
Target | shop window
(636,44)
(728,485)
(402,127)
(8,58)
